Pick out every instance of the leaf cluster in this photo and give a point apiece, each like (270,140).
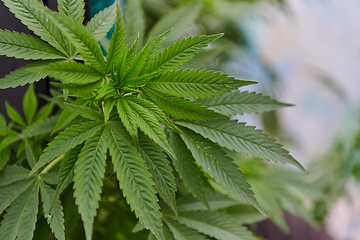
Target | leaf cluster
(134,114)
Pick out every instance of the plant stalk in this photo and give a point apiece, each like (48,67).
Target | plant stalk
(53,163)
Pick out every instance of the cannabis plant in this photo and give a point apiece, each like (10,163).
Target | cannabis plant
(134,114)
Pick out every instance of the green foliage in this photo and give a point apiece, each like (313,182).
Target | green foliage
(126,120)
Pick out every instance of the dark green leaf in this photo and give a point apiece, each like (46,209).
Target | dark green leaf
(20,45)
(88,177)
(135,179)
(188,171)
(195,83)
(181,108)
(160,170)
(53,211)
(241,102)
(244,139)
(67,140)
(219,166)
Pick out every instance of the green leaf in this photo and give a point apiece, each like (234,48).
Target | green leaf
(219,166)
(85,112)
(44,112)
(19,220)
(67,140)
(70,72)
(73,9)
(50,178)
(29,155)
(53,211)
(181,108)
(117,42)
(187,169)
(241,102)
(182,232)
(136,65)
(30,13)
(134,21)
(13,173)
(214,224)
(82,39)
(4,156)
(131,51)
(195,83)
(180,52)
(127,117)
(21,45)
(160,170)
(216,201)
(79,88)
(14,115)
(148,123)
(10,192)
(102,22)
(108,107)
(23,75)
(67,115)
(66,172)
(244,139)
(134,179)
(29,104)
(180,19)
(155,44)
(88,177)
(40,128)
(155,110)
(2,122)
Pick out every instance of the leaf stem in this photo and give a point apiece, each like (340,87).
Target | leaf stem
(53,163)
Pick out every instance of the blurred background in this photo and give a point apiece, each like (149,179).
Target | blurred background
(303,52)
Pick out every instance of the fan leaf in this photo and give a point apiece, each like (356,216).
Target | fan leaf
(85,112)
(182,232)
(241,102)
(117,41)
(102,22)
(220,167)
(148,123)
(67,140)
(20,45)
(53,211)
(214,224)
(13,173)
(23,75)
(10,192)
(30,14)
(19,220)
(187,169)
(66,172)
(181,108)
(73,9)
(81,37)
(134,179)
(70,72)
(244,139)
(160,170)
(195,83)
(180,52)
(88,177)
